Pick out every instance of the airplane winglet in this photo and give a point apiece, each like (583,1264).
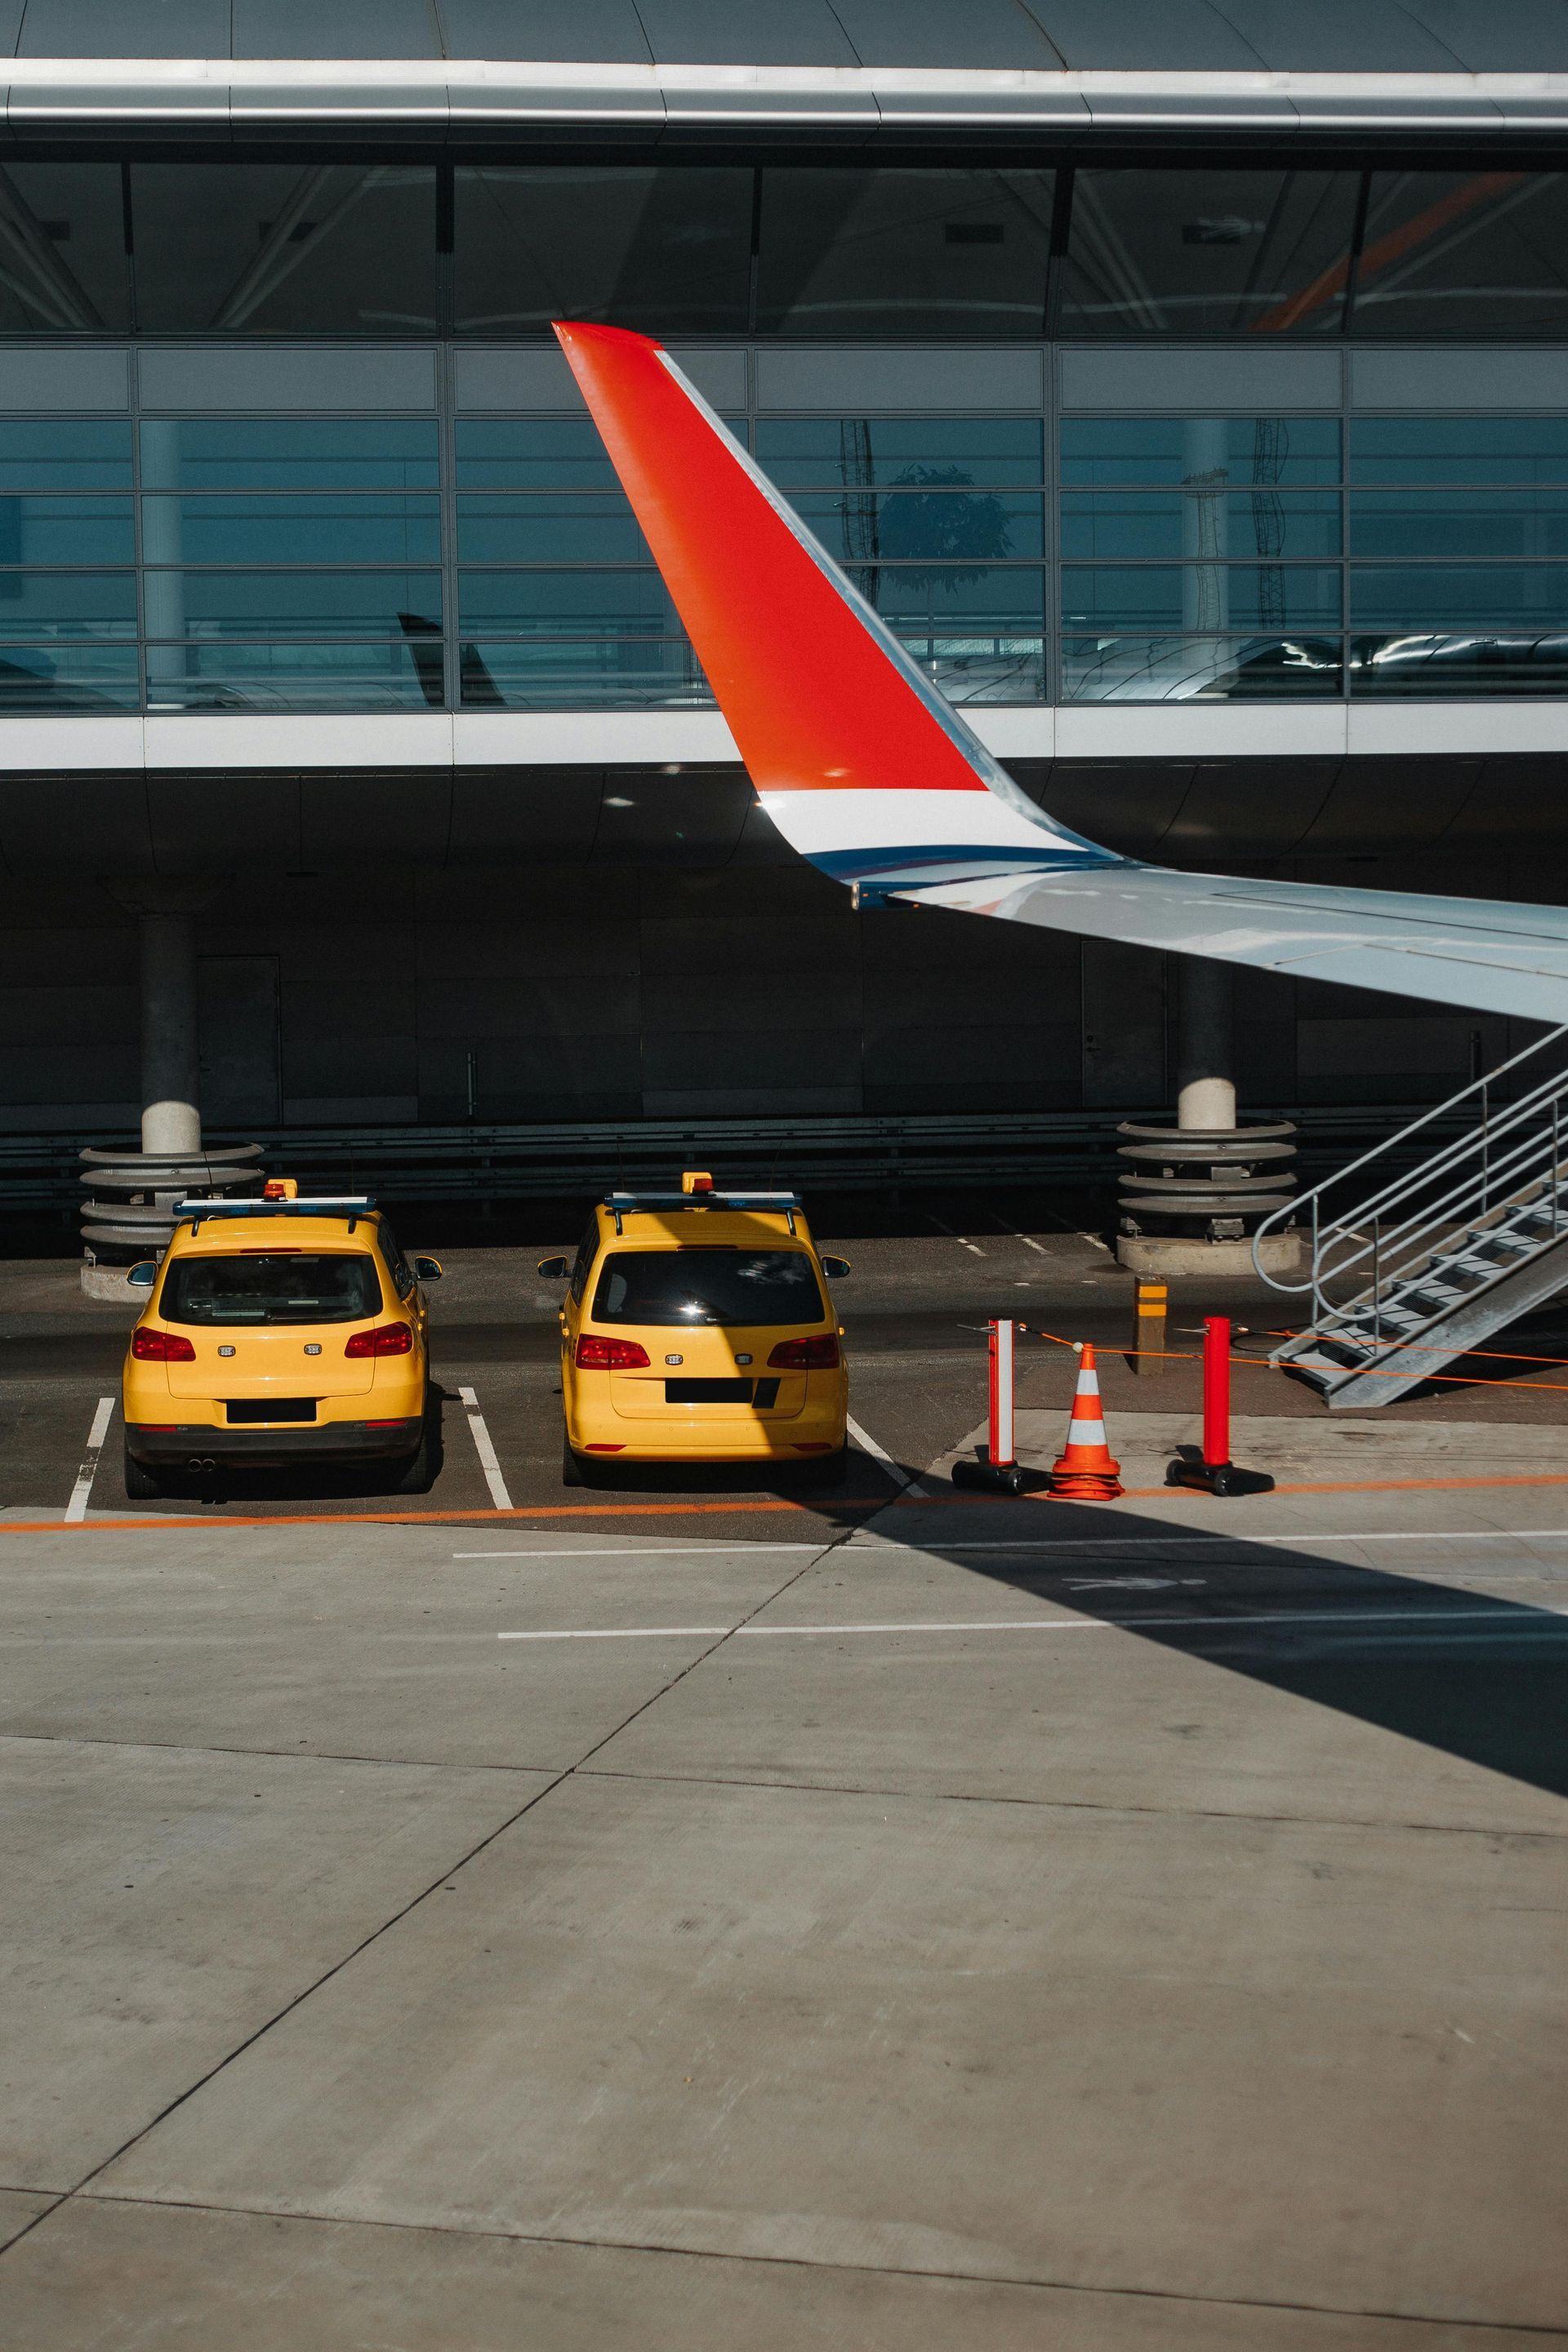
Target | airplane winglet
(861,762)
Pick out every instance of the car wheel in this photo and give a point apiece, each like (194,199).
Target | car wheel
(826,1469)
(140,1485)
(416,1475)
(571,1463)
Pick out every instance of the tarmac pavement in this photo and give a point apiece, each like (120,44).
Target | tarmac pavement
(692,1916)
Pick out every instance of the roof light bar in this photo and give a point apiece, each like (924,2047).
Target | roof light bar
(332,1205)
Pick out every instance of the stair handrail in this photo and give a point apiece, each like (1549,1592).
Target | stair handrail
(1402,1250)
(1400,1187)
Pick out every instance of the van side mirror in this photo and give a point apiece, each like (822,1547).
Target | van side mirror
(428,1269)
(554,1269)
(835,1268)
(144,1274)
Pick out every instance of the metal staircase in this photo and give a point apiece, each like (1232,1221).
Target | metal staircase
(1441,1255)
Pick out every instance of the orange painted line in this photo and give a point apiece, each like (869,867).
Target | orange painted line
(478,1516)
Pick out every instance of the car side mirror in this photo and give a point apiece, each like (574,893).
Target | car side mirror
(428,1269)
(554,1269)
(144,1274)
(835,1268)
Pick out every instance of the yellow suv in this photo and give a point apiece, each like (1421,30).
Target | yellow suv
(696,1328)
(279,1331)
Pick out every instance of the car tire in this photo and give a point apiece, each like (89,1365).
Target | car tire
(141,1486)
(417,1473)
(571,1464)
(826,1469)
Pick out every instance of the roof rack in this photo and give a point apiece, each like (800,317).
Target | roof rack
(625,1204)
(351,1205)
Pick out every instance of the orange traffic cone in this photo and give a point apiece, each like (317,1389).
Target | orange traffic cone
(1085,1472)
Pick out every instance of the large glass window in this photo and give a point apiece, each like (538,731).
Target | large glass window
(1464,254)
(1194,557)
(1209,252)
(1436,449)
(900,252)
(249,527)
(666,248)
(285,248)
(64,269)
(894,452)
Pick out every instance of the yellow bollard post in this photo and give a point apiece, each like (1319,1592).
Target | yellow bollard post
(1148,1350)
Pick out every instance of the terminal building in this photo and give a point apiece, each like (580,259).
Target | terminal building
(1185,384)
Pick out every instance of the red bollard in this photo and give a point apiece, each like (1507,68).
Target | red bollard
(1216,1391)
(1217,1474)
(997,1467)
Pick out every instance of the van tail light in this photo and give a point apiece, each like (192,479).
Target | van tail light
(596,1355)
(386,1340)
(804,1355)
(150,1347)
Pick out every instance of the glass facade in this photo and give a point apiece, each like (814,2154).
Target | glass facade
(355,563)
(361,245)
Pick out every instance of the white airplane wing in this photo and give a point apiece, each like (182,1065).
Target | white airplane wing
(868,771)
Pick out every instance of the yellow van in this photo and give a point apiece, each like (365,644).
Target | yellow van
(695,1328)
(279,1331)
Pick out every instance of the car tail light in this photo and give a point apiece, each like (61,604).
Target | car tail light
(804,1355)
(386,1340)
(150,1347)
(596,1355)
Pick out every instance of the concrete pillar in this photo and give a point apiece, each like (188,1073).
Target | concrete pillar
(171,1083)
(1205,1044)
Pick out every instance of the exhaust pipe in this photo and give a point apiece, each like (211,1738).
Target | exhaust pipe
(201,1462)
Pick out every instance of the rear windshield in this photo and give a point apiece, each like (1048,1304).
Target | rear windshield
(338,1286)
(708,1286)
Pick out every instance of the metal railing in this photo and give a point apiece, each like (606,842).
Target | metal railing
(863,1153)
(1508,1152)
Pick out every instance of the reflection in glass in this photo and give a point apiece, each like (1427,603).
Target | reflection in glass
(1263,451)
(64,454)
(65,531)
(587,527)
(666,248)
(565,604)
(1198,669)
(289,452)
(599,673)
(1459,596)
(854,252)
(540,453)
(1201,596)
(1003,667)
(971,597)
(285,248)
(1416,450)
(67,604)
(288,677)
(216,604)
(63,264)
(286,529)
(931,524)
(1461,254)
(1209,252)
(1150,525)
(1498,524)
(990,452)
(68,676)
(1462,662)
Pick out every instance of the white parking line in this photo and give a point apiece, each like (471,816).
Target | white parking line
(485,1452)
(632,1552)
(961,1239)
(1027,1239)
(1525,1619)
(77,1508)
(1204,1541)
(879,1455)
